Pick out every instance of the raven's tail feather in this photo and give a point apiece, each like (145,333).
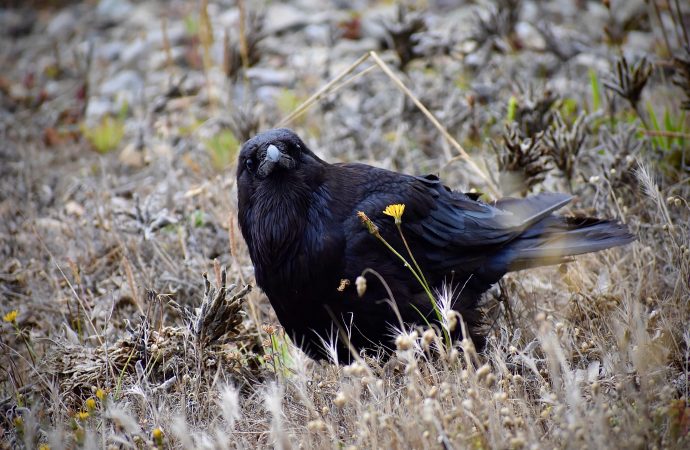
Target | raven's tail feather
(555,239)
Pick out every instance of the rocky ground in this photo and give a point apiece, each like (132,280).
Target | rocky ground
(120,122)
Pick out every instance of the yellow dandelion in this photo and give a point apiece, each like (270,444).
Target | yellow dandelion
(11,317)
(44,447)
(395,211)
(157,433)
(90,403)
(82,415)
(100,394)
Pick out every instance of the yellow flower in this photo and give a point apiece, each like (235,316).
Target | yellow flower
(90,403)
(395,211)
(157,434)
(100,394)
(82,415)
(11,317)
(44,447)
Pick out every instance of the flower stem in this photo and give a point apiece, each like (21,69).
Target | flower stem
(420,278)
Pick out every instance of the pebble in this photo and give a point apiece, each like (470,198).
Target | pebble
(134,52)
(529,36)
(281,17)
(97,108)
(125,81)
(113,11)
(63,23)
(268,76)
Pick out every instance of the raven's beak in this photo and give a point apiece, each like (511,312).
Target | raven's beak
(272,159)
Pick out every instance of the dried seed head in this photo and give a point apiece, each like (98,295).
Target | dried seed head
(452,320)
(366,221)
(316,425)
(595,388)
(517,442)
(354,369)
(432,392)
(500,396)
(361,284)
(405,341)
(344,283)
(428,337)
(483,371)
(340,399)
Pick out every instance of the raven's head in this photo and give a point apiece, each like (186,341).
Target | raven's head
(276,177)
(273,154)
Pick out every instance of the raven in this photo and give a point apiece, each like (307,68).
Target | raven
(299,217)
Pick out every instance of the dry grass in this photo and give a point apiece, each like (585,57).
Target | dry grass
(119,341)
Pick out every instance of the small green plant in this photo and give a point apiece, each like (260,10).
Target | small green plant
(191,24)
(277,351)
(287,101)
(197,218)
(512,107)
(595,86)
(223,148)
(106,135)
(668,131)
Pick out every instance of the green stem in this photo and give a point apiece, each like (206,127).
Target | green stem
(409,252)
(423,283)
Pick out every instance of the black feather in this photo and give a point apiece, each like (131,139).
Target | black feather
(298,215)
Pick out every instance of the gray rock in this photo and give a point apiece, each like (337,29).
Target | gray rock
(125,81)
(229,17)
(109,51)
(640,42)
(267,94)
(134,51)
(97,108)
(281,17)
(318,33)
(529,36)
(62,24)
(267,76)
(113,10)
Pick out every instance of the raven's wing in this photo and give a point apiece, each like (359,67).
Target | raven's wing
(458,231)
(449,230)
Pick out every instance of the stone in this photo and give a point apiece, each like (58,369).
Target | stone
(124,81)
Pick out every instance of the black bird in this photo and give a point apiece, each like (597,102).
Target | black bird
(299,217)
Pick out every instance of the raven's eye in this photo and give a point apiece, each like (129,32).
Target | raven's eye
(249,164)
